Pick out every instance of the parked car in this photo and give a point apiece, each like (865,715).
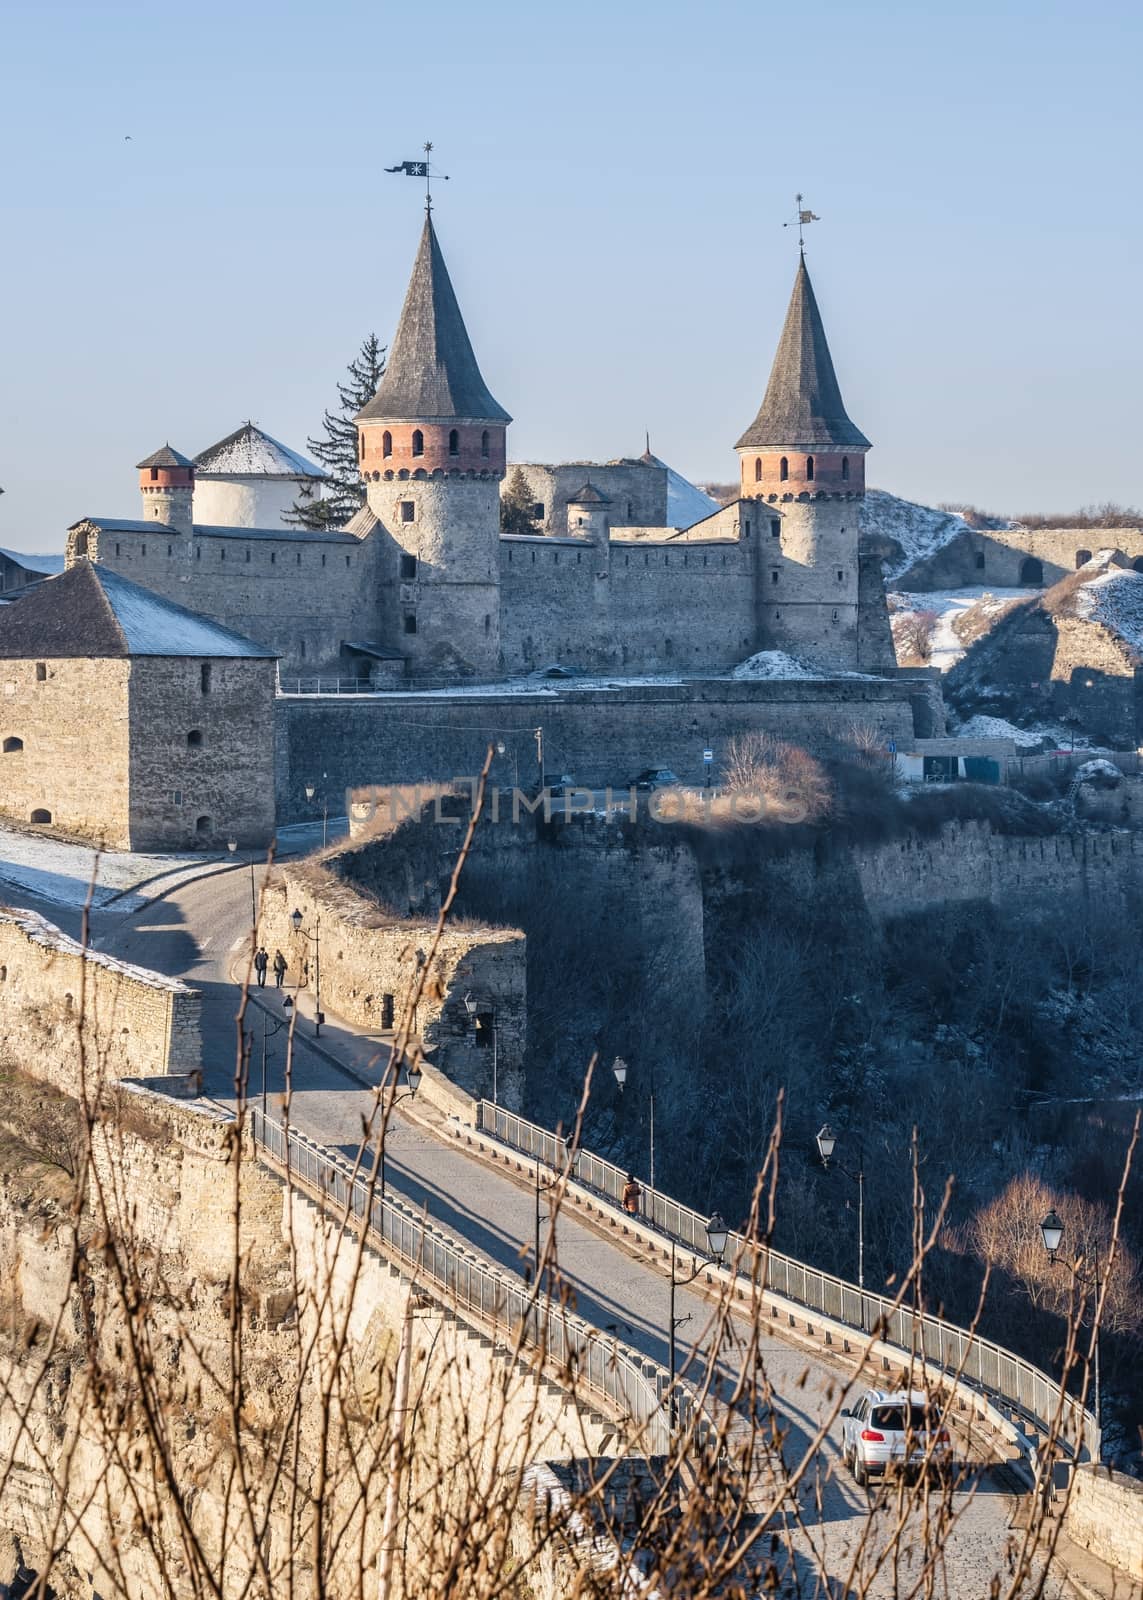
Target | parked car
(655,778)
(558,783)
(893,1432)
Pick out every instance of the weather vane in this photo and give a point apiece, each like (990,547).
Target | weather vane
(424,169)
(802,219)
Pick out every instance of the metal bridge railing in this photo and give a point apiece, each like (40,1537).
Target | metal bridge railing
(612,1374)
(989,1367)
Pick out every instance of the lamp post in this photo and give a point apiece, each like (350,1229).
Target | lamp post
(413,1074)
(232,846)
(544,1188)
(314,939)
(826,1142)
(1052,1234)
(621,1069)
(311,790)
(716,1232)
(267,1033)
(472,1006)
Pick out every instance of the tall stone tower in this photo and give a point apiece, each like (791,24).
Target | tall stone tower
(166,482)
(432,449)
(805,459)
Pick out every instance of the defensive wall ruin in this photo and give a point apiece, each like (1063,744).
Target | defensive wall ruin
(71,1014)
(1011,558)
(599,735)
(371,961)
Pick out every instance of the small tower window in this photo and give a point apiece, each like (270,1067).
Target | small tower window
(845,469)
(1082,557)
(408,566)
(12,745)
(418,442)
(775,527)
(410,622)
(757,469)
(980,560)
(484,443)
(783,469)
(386,443)
(408,510)
(204,675)
(154,474)
(774,575)
(194,738)
(454,442)
(538,511)
(809,469)
(41,672)
(840,575)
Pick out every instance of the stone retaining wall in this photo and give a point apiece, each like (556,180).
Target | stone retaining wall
(68,1013)
(1105,1515)
(366,955)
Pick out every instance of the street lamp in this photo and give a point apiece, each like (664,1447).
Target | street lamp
(314,939)
(268,1032)
(232,846)
(413,1075)
(826,1142)
(1052,1234)
(621,1069)
(472,1006)
(545,1188)
(716,1235)
(311,790)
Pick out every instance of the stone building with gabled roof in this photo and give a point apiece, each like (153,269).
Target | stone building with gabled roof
(131,721)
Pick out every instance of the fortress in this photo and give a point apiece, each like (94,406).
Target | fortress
(423,601)
(421,587)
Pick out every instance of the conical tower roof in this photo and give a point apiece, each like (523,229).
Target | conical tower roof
(803,404)
(431,374)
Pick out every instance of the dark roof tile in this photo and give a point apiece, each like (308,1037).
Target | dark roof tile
(803,404)
(431,373)
(166,457)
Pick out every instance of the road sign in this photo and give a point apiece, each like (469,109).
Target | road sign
(708,755)
(892,747)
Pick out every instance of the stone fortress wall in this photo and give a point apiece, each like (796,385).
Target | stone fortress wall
(599,736)
(301,594)
(1105,1515)
(368,954)
(1002,556)
(72,1015)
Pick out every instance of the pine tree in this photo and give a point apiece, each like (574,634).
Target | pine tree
(517,506)
(344,493)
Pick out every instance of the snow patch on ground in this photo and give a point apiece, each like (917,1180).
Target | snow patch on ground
(772,664)
(1053,734)
(950,605)
(1115,599)
(63,873)
(919,530)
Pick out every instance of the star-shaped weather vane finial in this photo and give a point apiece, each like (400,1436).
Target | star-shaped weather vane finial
(801,219)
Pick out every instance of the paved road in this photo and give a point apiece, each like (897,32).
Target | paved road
(199,930)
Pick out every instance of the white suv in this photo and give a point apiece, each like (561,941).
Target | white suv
(892,1432)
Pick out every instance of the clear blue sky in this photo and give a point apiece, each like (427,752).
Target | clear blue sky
(619,175)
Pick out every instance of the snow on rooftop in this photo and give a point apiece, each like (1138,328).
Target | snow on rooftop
(251,453)
(1115,599)
(46,934)
(152,626)
(34,561)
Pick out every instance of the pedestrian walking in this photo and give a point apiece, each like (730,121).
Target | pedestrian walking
(261,962)
(632,1194)
(279,968)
